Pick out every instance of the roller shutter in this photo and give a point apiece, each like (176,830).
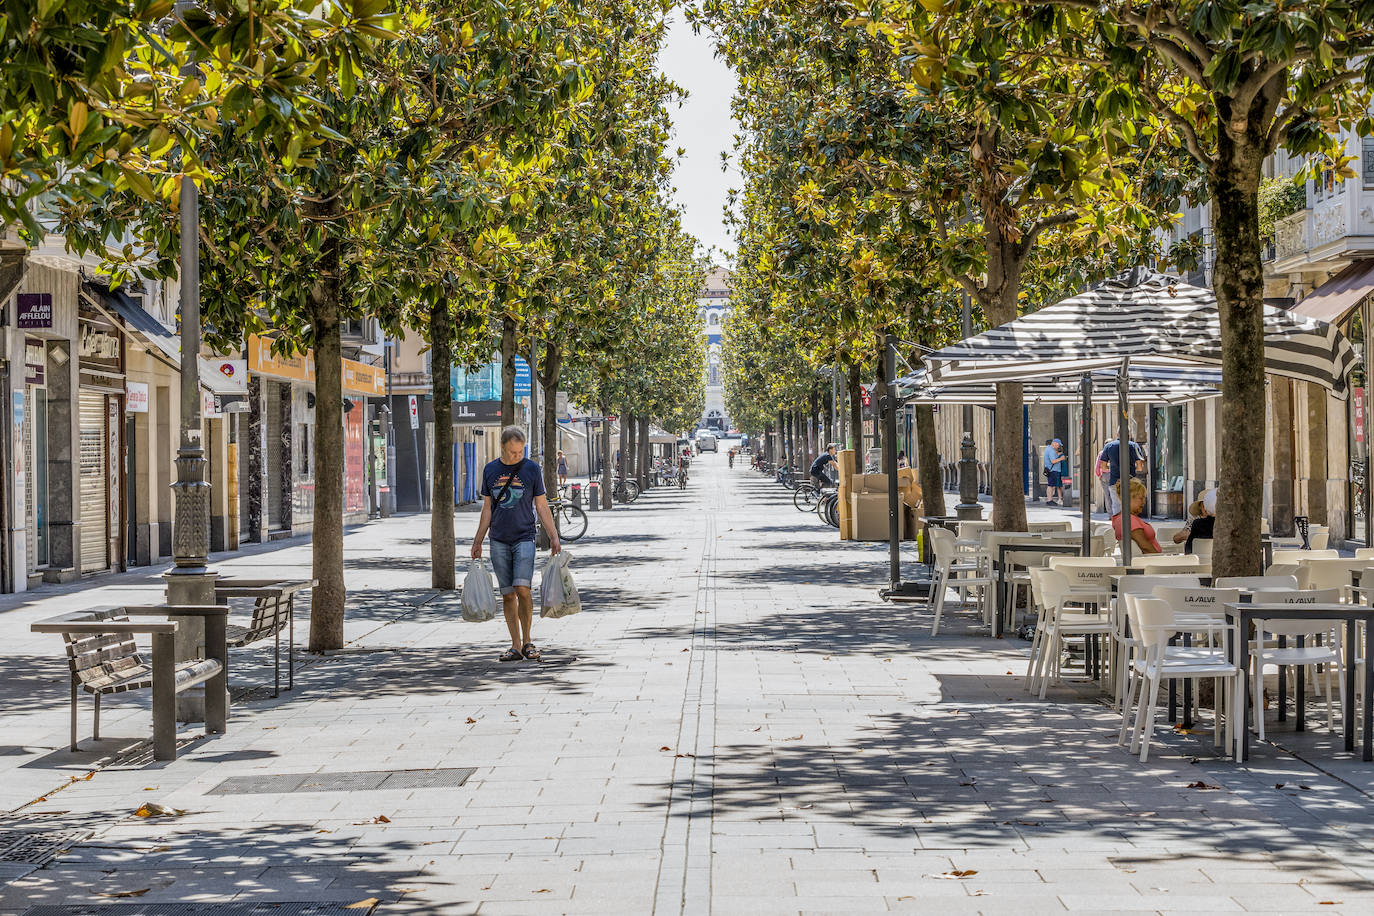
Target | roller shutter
(95,515)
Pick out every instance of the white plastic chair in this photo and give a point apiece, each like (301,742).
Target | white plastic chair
(1273,583)
(1037,527)
(1326,572)
(1154,622)
(951,572)
(1318,536)
(1308,656)
(1151,560)
(1202,549)
(1297,555)
(1123,641)
(1055,622)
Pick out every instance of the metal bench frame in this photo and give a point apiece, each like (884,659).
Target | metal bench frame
(103,657)
(274,610)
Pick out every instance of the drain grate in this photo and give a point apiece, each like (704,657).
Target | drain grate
(363,781)
(194,909)
(37,847)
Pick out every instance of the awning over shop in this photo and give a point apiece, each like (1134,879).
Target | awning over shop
(1149,385)
(1335,298)
(137,321)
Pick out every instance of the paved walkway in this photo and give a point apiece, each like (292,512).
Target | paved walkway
(734,725)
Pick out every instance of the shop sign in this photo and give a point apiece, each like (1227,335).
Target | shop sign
(298,367)
(1359,414)
(362,379)
(209,405)
(227,376)
(34,311)
(414,412)
(136,397)
(522,378)
(96,344)
(35,367)
(379,459)
(18,449)
(477,412)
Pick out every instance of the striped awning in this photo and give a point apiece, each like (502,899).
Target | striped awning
(1149,385)
(1156,320)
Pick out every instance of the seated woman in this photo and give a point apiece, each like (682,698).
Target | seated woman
(1142,532)
(1200,528)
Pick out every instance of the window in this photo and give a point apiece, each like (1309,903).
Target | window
(304,438)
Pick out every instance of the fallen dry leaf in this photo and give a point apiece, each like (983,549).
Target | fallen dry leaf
(381,819)
(1201,785)
(137,893)
(153,809)
(512,712)
(89,776)
(471,720)
(687,650)
(759,729)
(685,755)
(150,788)
(368,904)
(1305,788)
(665,748)
(1278,785)
(956,874)
(544,890)
(1329,902)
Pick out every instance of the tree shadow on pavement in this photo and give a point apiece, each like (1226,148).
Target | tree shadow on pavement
(194,858)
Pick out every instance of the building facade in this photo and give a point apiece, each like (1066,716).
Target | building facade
(713,305)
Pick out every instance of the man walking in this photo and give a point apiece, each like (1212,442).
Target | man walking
(512,491)
(1054,473)
(1109,464)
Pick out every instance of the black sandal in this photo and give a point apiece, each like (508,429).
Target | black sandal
(530,652)
(512,655)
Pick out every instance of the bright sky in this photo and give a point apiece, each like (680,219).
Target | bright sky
(704,128)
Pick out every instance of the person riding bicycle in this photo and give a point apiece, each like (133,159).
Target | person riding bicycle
(820,466)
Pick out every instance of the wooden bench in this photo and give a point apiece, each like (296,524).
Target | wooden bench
(274,610)
(103,658)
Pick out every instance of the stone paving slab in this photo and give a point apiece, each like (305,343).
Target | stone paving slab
(735,724)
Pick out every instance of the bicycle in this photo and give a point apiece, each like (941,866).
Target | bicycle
(1357,472)
(625,490)
(805,496)
(828,508)
(570,520)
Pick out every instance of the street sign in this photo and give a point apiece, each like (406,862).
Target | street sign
(866,395)
(414,412)
(522,378)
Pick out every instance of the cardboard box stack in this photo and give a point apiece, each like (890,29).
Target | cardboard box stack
(868,505)
(845,458)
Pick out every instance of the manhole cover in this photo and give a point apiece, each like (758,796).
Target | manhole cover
(363,781)
(194,909)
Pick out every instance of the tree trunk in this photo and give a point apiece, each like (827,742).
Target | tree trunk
(781,459)
(929,473)
(768,442)
(632,449)
(442,550)
(828,406)
(606,481)
(507,371)
(326,541)
(549,376)
(1008,443)
(621,452)
(1239,285)
(644,453)
(856,414)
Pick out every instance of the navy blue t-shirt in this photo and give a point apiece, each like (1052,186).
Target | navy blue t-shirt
(513,520)
(1111,454)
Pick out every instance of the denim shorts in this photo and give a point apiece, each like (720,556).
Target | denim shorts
(513,564)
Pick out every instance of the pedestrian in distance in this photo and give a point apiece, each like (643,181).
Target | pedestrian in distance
(820,467)
(562,469)
(512,493)
(901,460)
(1109,468)
(1054,472)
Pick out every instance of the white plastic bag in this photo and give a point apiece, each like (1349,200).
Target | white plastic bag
(557,592)
(479,599)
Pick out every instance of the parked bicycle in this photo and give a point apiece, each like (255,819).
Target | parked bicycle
(828,508)
(570,520)
(1357,472)
(625,490)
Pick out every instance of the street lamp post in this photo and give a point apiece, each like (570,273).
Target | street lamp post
(189,581)
(968,509)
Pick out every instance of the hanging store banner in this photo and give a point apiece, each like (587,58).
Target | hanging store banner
(224,376)
(136,397)
(298,367)
(364,380)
